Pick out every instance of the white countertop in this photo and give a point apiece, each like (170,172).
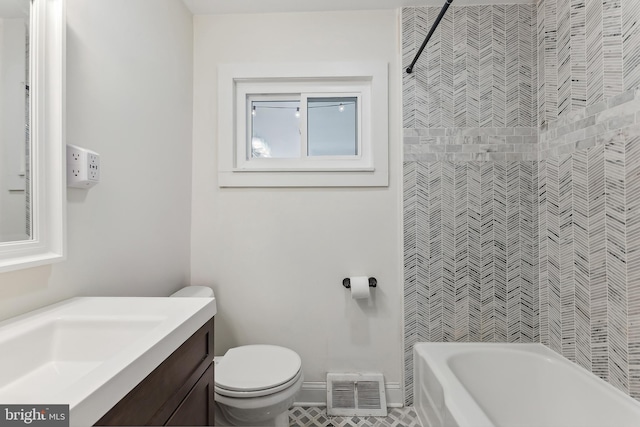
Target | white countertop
(89,352)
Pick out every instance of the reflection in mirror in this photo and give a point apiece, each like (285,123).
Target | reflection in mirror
(15,209)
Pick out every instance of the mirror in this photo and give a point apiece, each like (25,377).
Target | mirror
(32,190)
(14,120)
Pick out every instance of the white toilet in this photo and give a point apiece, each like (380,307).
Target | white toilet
(255,385)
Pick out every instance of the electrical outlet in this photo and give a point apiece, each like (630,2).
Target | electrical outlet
(94,166)
(83,167)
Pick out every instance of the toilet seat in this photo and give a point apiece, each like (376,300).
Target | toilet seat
(258,393)
(256,370)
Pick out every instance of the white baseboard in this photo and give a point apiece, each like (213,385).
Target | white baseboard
(314,393)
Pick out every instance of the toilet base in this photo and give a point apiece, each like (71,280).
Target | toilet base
(266,411)
(281,420)
(221,421)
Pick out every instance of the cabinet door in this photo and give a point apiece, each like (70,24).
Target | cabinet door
(197,409)
(157,396)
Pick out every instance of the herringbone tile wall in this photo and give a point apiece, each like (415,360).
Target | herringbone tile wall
(478,69)
(589,258)
(589,109)
(470,177)
(589,51)
(588,239)
(471,253)
(508,243)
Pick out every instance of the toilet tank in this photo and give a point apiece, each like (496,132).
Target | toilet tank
(194,291)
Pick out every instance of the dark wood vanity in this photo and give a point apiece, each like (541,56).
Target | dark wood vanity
(179,392)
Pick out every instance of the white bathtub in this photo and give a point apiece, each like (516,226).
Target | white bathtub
(512,385)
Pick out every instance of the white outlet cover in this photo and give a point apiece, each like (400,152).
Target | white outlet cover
(83,167)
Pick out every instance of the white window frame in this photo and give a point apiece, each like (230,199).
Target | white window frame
(237,83)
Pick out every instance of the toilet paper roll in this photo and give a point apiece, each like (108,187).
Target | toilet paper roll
(359,287)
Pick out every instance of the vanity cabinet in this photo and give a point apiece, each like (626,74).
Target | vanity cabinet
(178,392)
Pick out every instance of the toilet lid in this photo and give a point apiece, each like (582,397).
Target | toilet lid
(256,367)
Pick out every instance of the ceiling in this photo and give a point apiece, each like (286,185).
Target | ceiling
(215,7)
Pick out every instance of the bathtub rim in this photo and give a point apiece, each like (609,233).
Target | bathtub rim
(464,408)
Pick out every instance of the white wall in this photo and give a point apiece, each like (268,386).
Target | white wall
(129,97)
(276,257)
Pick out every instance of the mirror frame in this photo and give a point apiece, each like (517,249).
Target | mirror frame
(47,131)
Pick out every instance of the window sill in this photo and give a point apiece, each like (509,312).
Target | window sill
(368,177)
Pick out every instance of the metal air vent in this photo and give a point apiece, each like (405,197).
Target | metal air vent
(356,395)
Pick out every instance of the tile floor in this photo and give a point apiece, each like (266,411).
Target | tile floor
(317,417)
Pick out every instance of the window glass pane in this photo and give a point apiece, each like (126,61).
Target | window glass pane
(275,129)
(332,126)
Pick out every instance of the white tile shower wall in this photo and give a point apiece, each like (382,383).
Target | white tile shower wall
(470,151)
(589,108)
(477,71)
(586,127)
(470,253)
(589,51)
(467,144)
(589,258)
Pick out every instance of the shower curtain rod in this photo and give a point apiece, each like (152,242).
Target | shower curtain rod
(426,40)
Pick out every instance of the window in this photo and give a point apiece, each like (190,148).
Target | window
(275,127)
(303,131)
(333,126)
(303,124)
(283,126)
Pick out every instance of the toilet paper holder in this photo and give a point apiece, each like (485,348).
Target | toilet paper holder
(346,282)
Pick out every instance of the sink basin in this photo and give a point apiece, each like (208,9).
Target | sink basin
(59,352)
(90,352)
